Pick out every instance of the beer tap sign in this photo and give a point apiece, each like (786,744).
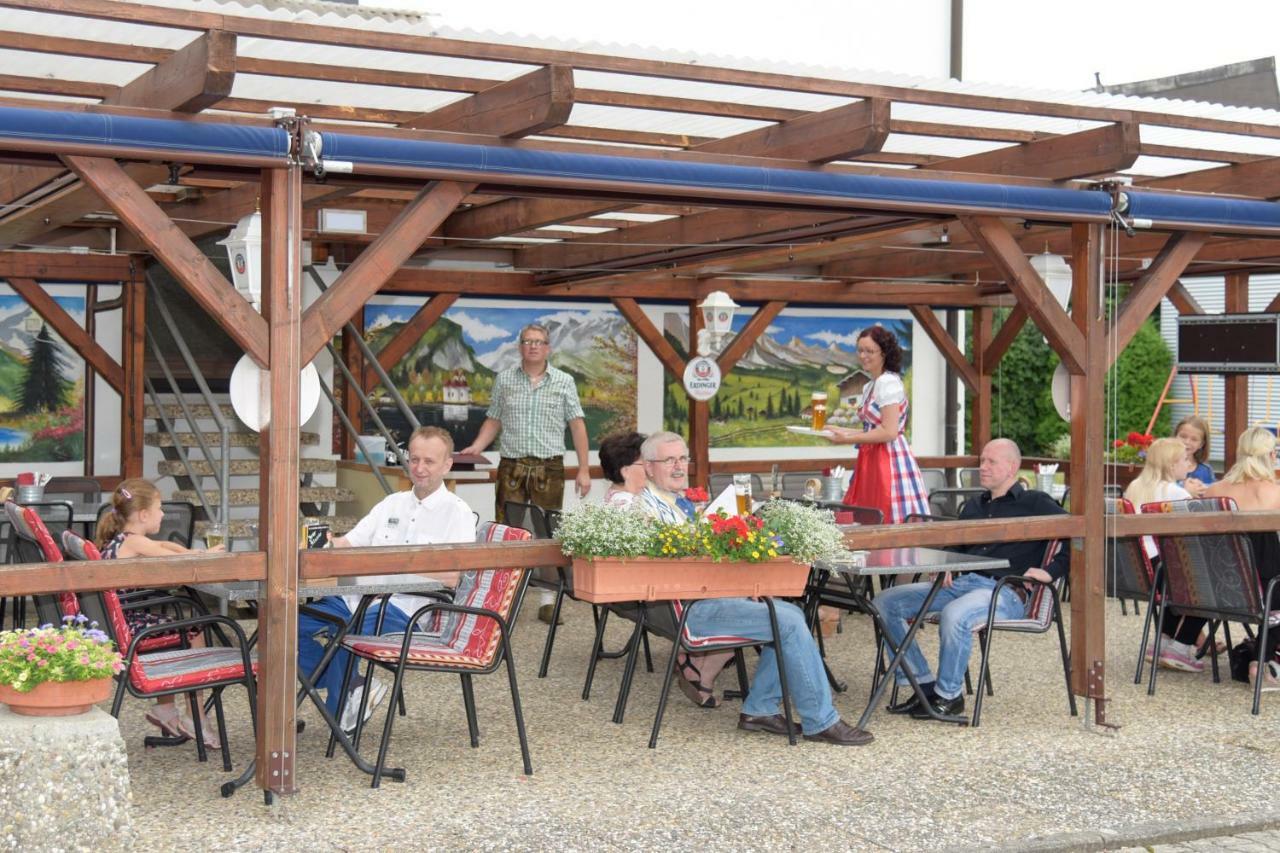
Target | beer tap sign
(702,374)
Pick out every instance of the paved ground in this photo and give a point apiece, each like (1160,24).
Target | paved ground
(1249,842)
(1030,776)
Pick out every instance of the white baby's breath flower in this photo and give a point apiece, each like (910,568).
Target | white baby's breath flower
(808,533)
(602,531)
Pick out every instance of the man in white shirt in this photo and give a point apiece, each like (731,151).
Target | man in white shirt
(427,514)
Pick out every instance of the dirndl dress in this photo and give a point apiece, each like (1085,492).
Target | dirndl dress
(886,475)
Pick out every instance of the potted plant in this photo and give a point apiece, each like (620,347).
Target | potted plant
(622,555)
(1127,456)
(56,671)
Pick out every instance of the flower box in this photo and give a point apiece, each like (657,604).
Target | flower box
(603,580)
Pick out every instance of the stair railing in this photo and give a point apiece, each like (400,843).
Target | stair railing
(222,466)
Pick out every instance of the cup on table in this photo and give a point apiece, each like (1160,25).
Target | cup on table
(818,405)
(742,491)
(215,535)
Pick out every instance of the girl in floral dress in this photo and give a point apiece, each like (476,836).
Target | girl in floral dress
(886,475)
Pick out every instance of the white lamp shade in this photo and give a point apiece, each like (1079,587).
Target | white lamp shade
(244,251)
(717,312)
(249,400)
(1056,274)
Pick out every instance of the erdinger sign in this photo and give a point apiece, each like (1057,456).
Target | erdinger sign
(702,378)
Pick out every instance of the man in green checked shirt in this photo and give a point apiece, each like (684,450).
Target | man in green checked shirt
(531,405)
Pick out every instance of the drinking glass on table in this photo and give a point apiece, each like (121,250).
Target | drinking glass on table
(215,535)
(818,404)
(742,491)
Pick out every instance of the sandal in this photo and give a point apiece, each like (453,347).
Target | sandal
(1270,681)
(170,725)
(698,693)
(187,725)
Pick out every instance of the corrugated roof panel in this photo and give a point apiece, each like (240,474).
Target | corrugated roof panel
(1184,138)
(264,87)
(1159,167)
(906,143)
(686,124)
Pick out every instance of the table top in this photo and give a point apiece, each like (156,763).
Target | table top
(365,585)
(892,561)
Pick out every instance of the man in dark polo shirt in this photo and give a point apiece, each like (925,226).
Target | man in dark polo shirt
(965,598)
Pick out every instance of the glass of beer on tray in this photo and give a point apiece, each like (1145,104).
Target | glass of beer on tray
(215,535)
(742,491)
(818,404)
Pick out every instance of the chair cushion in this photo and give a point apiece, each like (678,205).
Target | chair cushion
(79,548)
(35,529)
(492,531)
(196,667)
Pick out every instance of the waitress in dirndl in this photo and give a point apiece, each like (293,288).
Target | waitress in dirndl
(886,475)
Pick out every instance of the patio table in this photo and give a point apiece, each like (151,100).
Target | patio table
(367,587)
(864,565)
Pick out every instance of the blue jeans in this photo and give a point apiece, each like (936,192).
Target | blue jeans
(964,606)
(806,678)
(314,632)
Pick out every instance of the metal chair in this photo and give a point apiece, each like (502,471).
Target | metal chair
(719,482)
(85,489)
(793,482)
(968,478)
(470,636)
(56,516)
(947,502)
(1212,575)
(537,521)
(933,478)
(178,524)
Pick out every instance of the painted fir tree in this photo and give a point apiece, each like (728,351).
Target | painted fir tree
(45,388)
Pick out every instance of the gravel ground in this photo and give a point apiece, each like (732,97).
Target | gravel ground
(1029,771)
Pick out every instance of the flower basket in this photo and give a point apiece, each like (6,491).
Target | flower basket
(602,580)
(57,698)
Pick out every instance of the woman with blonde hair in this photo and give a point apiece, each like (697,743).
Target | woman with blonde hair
(1251,483)
(1167,463)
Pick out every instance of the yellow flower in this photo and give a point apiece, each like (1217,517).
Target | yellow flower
(755,555)
(772,553)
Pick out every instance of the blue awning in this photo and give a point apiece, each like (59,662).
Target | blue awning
(496,164)
(1174,210)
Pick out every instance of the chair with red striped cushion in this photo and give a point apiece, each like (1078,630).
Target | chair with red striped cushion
(176,670)
(468,636)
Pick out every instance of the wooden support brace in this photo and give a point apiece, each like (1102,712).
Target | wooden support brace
(175,250)
(1005,337)
(1147,291)
(950,351)
(652,337)
(524,106)
(835,134)
(71,331)
(745,339)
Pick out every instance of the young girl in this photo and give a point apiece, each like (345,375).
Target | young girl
(136,514)
(1168,462)
(1193,432)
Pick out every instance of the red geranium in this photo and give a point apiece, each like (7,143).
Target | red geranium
(696,494)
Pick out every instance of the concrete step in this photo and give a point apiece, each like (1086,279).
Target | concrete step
(247,528)
(308,465)
(249,497)
(237,439)
(198,410)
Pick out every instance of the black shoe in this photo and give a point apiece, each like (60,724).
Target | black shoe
(941,707)
(912,702)
(775,724)
(843,734)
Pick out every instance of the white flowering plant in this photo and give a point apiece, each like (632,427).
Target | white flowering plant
(807,533)
(603,531)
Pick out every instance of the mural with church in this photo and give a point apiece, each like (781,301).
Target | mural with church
(801,352)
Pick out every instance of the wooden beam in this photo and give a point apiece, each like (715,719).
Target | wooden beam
(422,320)
(71,331)
(66,205)
(376,264)
(1099,151)
(1145,295)
(1186,303)
(1235,408)
(980,417)
(518,214)
(699,415)
(1088,432)
(746,339)
(943,341)
(133,324)
(177,570)
(835,134)
(934,535)
(278,480)
(64,266)
(1260,179)
(1003,250)
(1005,337)
(651,335)
(175,250)
(524,106)
(189,80)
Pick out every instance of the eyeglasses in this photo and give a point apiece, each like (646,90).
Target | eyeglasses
(670,460)
(534,342)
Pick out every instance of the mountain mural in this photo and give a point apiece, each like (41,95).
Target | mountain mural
(441,349)
(575,340)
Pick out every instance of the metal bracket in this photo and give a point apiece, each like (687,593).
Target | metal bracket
(1094,689)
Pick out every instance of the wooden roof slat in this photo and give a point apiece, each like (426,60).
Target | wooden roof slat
(533,103)
(189,80)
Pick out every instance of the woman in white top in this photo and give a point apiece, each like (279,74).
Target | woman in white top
(620,459)
(1167,463)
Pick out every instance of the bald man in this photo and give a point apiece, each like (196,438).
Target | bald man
(965,598)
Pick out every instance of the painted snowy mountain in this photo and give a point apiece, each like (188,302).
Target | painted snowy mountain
(768,354)
(573,334)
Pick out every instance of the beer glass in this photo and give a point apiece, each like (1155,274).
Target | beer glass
(818,404)
(742,491)
(215,535)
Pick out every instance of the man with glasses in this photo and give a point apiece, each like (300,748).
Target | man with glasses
(666,464)
(531,404)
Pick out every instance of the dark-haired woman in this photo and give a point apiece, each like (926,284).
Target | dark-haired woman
(620,459)
(886,475)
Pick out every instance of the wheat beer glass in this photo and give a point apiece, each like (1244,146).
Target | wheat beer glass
(818,403)
(742,491)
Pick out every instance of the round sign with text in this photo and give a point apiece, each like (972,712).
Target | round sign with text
(702,378)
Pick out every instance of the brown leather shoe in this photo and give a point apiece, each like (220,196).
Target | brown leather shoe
(775,724)
(843,734)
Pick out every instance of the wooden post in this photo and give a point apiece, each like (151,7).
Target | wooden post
(980,417)
(1088,555)
(1235,414)
(278,448)
(90,386)
(699,413)
(133,321)
(354,360)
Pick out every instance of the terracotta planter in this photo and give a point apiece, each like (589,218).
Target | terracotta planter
(608,579)
(1122,474)
(57,698)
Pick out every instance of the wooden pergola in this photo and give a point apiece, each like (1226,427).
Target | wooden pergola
(670,244)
